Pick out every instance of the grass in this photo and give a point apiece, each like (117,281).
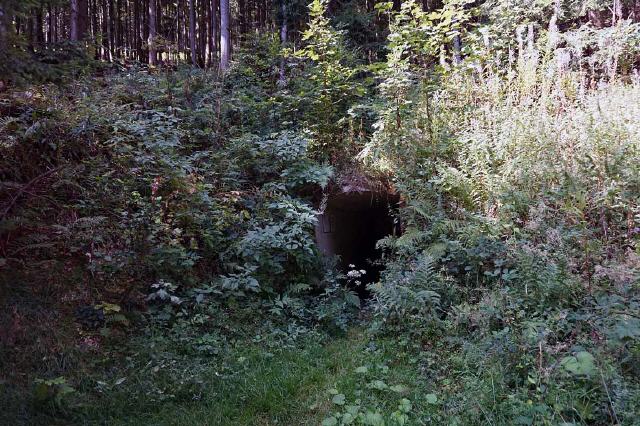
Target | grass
(254,385)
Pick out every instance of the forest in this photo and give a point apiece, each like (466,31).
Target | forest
(320,212)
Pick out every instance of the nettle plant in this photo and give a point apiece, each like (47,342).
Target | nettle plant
(277,246)
(281,244)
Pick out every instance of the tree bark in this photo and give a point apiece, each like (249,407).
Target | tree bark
(30,33)
(39,26)
(179,33)
(282,80)
(144,28)
(457,50)
(225,40)
(136,30)
(204,24)
(55,24)
(262,6)
(74,20)
(50,23)
(192,32)
(95,28)
(111,31)
(106,47)
(215,29)
(79,16)
(251,22)
(118,28)
(152,32)
(242,28)
(127,29)
(616,12)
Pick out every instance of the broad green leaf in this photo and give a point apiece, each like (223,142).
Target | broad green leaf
(580,364)
(330,421)
(373,419)
(338,399)
(377,384)
(405,405)
(399,388)
(348,418)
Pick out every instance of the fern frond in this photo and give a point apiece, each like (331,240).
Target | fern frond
(412,292)
(410,239)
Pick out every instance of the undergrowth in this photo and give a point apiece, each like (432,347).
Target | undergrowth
(156,231)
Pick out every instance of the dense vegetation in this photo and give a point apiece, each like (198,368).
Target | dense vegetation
(157,211)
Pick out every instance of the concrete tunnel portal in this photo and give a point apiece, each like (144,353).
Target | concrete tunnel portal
(350,226)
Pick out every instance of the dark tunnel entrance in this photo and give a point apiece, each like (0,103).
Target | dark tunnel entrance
(350,226)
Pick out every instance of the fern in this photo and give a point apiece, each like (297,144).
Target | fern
(410,292)
(410,239)
(298,288)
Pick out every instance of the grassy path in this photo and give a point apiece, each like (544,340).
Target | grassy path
(295,386)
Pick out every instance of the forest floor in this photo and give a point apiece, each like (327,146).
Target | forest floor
(303,385)
(315,380)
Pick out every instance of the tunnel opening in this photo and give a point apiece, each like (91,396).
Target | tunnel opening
(349,226)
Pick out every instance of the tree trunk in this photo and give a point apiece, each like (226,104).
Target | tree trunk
(215,29)
(74,20)
(95,29)
(79,16)
(122,26)
(111,31)
(117,35)
(262,4)
(106,47)
(616,12)
(144,28)
(39,27)
(152,32)
(457,50)
(282,80)
(251,22)
(225,40)
(55,25)
(179,34)
(136,31)
(213,33)
(192,32)
(30,33)
(50,23)
(242,29)
(204,24)
(127,29)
